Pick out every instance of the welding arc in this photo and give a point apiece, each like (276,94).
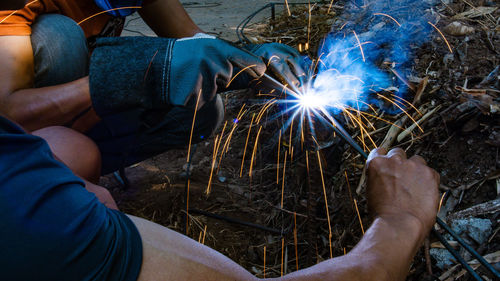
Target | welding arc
(267,79)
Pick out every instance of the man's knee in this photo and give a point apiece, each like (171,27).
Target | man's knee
(59,49)
(75,150)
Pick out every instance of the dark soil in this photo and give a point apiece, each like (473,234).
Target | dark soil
(461,141)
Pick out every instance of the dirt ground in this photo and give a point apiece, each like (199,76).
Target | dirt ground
(461,140)
(217,17)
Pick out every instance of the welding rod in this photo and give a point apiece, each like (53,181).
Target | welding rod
(265,78)
(457,238)
(343,133)
(456,255)
(468,248)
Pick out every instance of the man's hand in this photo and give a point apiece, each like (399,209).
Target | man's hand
(401,188)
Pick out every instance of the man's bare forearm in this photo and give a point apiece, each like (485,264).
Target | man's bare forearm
(48,106)
(167,18)
(375,257)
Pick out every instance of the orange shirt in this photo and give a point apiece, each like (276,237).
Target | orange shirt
(19,22)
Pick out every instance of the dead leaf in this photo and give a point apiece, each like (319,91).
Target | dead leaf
(458,29)
(476,12)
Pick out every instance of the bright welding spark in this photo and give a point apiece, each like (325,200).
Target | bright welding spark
(326,205)
(360,47)
(311,101)
(110,10)
(241,71)
(225,147)
(271,59)
(192,125)
(330,6)
(308,25)
(348,185)
(408,103)
(441,201)
(264,262)
(246,144)
(217,143)
(213,165)
(14,12)
(204,233)
(386,15)
(288,8)
(278,161)
(254,151)
(442,35)
(283,180)
(404,111)
(149,66)
(359,217)
(264,109)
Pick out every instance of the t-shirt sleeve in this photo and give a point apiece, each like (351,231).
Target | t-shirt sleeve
(85,12)
(17,22)
(52,225)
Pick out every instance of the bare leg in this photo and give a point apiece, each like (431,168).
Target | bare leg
(168,255)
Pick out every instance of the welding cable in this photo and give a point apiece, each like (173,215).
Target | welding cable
(240,29)
(340,130)
(466,247)
(237,221)
(456,255)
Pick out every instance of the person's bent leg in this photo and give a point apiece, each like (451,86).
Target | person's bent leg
(81,155)
(59,49)
(130,137)
(75,150)
(168,255)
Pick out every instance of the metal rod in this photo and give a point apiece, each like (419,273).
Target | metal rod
(468,248)
(236,221)
(450,231)
(456,255)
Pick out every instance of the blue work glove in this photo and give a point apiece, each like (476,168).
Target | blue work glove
(152,72)
(284,62)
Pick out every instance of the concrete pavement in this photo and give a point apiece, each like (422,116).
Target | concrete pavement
(218,17)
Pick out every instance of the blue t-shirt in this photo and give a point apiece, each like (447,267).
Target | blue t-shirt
(51,227)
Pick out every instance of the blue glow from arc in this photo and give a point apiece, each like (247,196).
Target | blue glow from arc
(345,77)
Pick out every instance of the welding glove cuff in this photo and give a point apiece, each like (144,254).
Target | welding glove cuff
(284,62)
(152,72)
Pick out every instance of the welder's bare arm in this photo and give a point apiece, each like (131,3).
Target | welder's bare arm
(384,254)
(35,108)
(167,18)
